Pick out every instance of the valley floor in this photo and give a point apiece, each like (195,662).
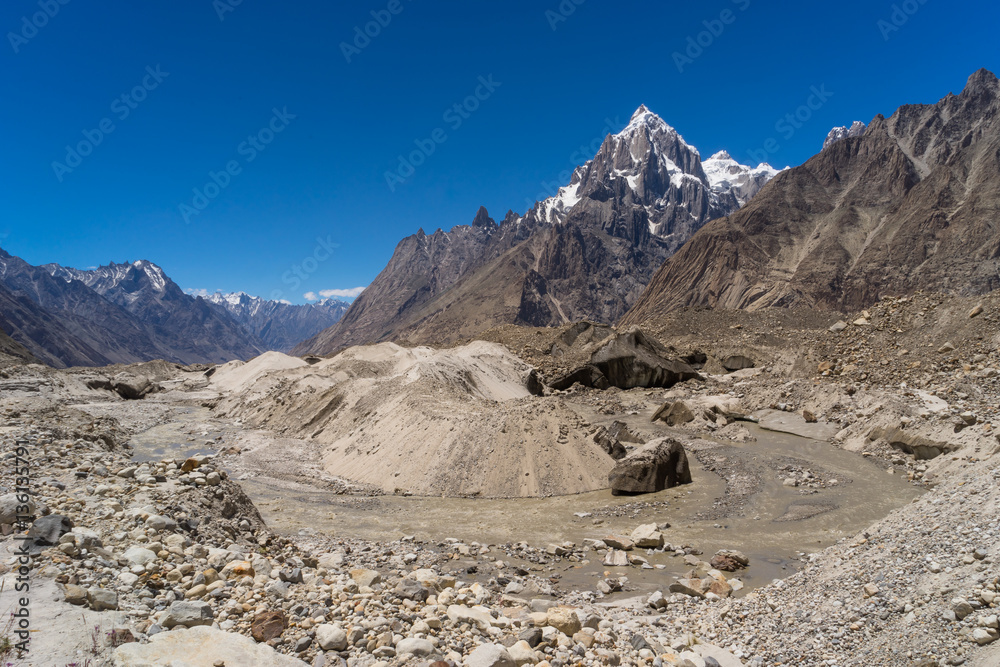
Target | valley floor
(241,539)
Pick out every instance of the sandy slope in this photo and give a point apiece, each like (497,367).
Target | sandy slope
(427,422)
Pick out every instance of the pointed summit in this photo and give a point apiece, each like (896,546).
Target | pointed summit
(483,219)
(982,78)
(643,110)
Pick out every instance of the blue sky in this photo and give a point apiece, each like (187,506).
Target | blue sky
(257,103)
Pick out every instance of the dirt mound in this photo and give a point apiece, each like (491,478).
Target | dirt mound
(237,376)
(429,422)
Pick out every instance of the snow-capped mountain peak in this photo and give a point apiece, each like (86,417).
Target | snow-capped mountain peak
(856,129)
(727,176)
(131,277)
(650,166)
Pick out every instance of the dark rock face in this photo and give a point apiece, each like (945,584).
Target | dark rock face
(612,439)
(627,360)
(662,464)
(632,359)
(737,362)
(588,376)
(909,205)
(534,384)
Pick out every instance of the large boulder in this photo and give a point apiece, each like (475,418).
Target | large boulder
(662,464)
(201,646)
(134,387)
(633,359)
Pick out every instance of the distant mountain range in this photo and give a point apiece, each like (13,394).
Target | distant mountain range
(646,227)
(910,203)
(125,313)
(586,253)
(280,326)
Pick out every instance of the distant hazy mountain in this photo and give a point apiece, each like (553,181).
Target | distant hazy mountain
(586,253)
(280,326)
(910,204)
(125,313)
(178,326)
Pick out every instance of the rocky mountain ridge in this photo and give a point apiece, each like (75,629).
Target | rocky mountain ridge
(133,312)
(586,253)
(911,204)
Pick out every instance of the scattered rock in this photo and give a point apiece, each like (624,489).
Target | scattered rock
(101,599)
(564,620)
(331,638)
(647,536)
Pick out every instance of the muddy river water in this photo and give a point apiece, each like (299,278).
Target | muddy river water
(773,524)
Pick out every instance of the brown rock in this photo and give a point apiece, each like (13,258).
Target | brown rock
(721,588)
(725,564)
(809,417)
(268,625)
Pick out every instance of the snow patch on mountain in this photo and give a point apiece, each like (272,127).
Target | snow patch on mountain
(838,133)
(726,175)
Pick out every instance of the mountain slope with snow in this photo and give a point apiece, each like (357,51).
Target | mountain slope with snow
(586,253)
(908,205)
(279,326)
(183,328)
(856,129)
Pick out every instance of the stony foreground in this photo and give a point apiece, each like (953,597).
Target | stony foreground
(142,564)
